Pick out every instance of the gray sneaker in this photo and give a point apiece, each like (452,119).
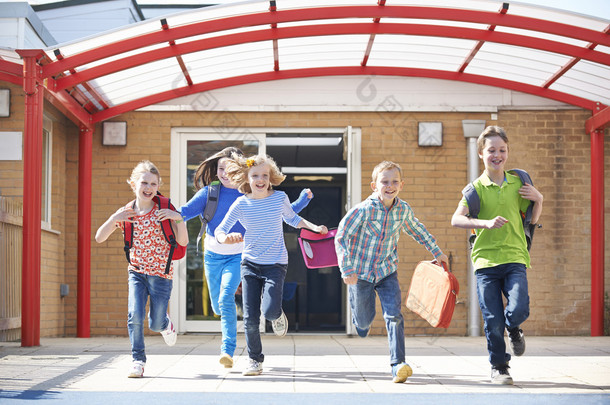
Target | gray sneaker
(253,368)
(280,325)
(517,341)
(500,375)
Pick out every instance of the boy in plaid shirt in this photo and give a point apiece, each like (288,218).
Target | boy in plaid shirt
(366,245)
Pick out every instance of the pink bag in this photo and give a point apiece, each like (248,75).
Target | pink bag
(318,250)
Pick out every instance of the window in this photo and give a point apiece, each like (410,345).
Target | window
(45,203)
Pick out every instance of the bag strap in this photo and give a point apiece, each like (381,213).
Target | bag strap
(210,209)
(528,227)
(128,234)
(166,227)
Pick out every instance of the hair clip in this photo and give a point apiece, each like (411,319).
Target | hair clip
(250,162)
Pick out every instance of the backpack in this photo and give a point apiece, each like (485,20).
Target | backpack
(210,209)
(176,251)
(474,207)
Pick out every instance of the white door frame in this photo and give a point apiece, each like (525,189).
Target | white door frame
(178,184)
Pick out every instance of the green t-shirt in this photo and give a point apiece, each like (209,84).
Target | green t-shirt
(493,247)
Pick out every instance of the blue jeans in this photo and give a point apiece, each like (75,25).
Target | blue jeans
(262,288)
(141,287)
(222,275)
(362,302)
(510,280)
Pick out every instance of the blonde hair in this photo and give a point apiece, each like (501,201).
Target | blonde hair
(488,132)
(385,165)
(145,166)
(238,168)
(207,171)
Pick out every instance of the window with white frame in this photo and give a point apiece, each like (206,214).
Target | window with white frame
(47,148)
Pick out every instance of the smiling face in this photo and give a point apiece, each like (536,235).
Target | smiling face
(146,186)
(258,179)
(494,154)
(387,186)
(222,175)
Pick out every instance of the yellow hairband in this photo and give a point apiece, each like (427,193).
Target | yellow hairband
(250,162)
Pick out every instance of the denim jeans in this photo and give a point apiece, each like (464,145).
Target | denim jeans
(222,273)
(362,302)
(141,286)
(509,280)
(262,288)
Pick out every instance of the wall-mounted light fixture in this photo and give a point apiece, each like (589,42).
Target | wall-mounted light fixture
(5,102)
(114,133)
(430,134)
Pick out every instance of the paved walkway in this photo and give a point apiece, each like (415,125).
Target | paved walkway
(304,369)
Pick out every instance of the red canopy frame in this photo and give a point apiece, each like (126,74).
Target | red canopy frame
(59,80)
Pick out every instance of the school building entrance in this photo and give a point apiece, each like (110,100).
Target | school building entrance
(326,160)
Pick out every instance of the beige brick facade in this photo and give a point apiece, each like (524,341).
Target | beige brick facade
(551,145)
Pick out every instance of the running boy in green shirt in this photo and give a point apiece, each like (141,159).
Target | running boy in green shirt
(499,253)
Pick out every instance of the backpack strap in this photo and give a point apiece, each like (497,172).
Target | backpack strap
(528,227)
(128,234)
(166,227)
(210,209)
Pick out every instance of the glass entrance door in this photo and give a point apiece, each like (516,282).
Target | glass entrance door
(190,291)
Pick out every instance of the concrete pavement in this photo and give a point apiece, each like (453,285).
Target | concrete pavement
(301,369)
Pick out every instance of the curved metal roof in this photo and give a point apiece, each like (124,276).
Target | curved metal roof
(545,52)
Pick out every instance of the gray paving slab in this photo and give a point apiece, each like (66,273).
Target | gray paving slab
(304,369)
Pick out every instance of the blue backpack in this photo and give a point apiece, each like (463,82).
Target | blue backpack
(210,209)
(474,207)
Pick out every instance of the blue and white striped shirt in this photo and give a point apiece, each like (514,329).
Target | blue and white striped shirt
(367,238)
(262,218)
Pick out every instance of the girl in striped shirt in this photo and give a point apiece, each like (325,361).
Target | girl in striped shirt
(264,258)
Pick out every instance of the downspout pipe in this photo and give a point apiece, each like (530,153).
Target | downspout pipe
(472,130)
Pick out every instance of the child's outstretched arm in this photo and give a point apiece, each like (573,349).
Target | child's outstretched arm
(123,214)
(316,228)
(460,219)
(300,203)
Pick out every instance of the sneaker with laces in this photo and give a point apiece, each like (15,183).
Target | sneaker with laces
(280,325)
(137,369)
(254,368)
(517,341)
(400,372)
(226,360)
(169,334)
(500,375)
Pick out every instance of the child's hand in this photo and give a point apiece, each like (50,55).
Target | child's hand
(167,213)
(497,222)
(233,237)
(351,279)
(529,192)
(123,214)
(321,229)
(443,259)
(309,193)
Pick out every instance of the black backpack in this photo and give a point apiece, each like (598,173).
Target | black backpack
(210,209)
(474,207)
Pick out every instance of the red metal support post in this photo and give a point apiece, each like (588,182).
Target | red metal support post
(83,315)
(597,232)
(32,181)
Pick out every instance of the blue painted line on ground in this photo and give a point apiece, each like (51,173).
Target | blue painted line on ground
(10,397)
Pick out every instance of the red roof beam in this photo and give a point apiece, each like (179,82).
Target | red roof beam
(599,120)
(276,52)
(343,71)
(332,29)
(562,71)
(183,67)
(479,44)
(472,16)
(369,46)
(98,98)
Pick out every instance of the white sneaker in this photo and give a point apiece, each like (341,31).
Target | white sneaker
(254,368)
(280,325)
(169,334)
(137,369)
(226,360)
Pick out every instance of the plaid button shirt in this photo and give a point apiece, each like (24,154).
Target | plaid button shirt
(367,238)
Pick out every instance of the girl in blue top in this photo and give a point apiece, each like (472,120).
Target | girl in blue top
(221,262)
(264,258)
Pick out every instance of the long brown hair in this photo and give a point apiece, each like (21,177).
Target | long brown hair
(207,170)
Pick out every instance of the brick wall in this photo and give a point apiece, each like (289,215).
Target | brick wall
(551,145)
